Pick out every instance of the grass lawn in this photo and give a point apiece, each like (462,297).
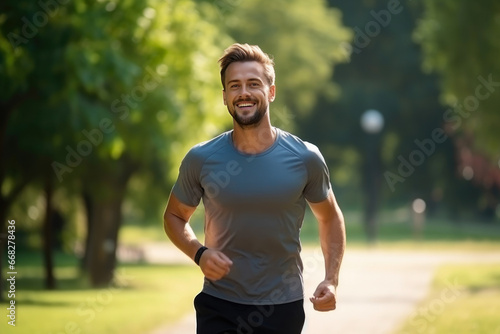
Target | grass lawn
(145,297)
(464,299)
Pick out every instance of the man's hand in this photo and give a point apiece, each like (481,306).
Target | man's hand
(215,264)
(324,298)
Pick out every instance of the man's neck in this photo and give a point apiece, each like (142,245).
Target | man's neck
(254,140)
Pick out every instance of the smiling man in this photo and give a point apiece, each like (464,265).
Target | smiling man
(255,182)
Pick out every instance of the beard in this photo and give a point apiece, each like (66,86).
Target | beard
(251,120)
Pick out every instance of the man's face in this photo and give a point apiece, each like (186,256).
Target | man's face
(247,94)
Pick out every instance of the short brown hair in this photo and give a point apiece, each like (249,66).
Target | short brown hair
(245,52)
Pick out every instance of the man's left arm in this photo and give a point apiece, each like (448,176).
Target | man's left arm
(333,239)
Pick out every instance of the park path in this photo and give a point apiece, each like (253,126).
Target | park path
(378,289)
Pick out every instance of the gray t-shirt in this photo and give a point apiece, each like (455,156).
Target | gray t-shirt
(254,208)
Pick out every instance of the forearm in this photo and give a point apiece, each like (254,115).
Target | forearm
(181,234)
(333,241)
(214,264)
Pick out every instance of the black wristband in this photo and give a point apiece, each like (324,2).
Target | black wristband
(198,254)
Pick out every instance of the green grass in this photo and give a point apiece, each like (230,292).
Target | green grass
(136,235)
(464,299)
(437,235)
(144,297)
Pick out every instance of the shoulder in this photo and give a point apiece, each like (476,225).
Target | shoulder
(200,152)
(301,148)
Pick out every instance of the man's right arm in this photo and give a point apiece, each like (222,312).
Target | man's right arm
(176,225)
(214,264)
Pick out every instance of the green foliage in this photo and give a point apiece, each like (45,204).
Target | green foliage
(125,86)
(459,42)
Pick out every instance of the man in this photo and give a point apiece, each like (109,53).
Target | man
(254,181)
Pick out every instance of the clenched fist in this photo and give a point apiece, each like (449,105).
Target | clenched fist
(214,264)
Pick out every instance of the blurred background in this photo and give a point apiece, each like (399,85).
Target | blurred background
(100,101)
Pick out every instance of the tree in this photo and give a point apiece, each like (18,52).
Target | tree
(109,93)
(459,44)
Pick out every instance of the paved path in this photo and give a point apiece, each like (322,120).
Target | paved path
(378,289)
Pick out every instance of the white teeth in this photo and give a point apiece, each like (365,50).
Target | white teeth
(245,105)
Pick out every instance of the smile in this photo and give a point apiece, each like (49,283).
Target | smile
(245,104)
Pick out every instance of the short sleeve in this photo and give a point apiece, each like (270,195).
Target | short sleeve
(188,188)
(318,175)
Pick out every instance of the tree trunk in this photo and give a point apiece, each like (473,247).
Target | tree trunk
(371,186)
(103,197)
(7,108)
(104,205)
(87,201)
(106,218)
(48,236)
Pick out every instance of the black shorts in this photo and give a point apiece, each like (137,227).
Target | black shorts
(219,316)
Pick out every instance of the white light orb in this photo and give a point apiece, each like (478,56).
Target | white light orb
(372,121)
(418,205)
